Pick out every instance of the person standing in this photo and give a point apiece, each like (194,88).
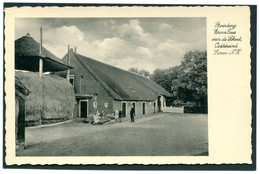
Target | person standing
(102,113)
(96,118)
(132,114)
(120,115)
(116,115)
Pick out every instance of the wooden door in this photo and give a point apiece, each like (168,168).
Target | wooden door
(83,109)
(143,108)
(123,109)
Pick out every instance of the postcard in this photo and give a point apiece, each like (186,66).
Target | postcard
(128,85)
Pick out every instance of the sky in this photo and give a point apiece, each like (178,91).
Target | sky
(143,43)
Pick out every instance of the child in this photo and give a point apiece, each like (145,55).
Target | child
(96,118)
(116,115)
(103,113)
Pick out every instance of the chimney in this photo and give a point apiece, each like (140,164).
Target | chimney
(75,49)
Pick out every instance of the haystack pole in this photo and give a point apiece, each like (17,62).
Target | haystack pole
(40,73)
(40,60)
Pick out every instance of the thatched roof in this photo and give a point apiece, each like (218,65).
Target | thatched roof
(121,84)
(27,56)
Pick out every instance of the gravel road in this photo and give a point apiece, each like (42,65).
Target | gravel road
(161,134)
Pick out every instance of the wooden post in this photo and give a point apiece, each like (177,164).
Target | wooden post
(40,67)
(41,40)
(21,120)
(40,60)
(68,61)
(69,54)
(40,74)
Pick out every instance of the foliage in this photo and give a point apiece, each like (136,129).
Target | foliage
(187,82)
(141,72)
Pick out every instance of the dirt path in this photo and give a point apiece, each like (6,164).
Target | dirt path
(152,135)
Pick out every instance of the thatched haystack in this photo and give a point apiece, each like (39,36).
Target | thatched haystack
(51,98)
(21,93)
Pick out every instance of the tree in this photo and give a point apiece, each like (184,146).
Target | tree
(163,78)
(135,70)
(142,72)
(191,82)
(187,82)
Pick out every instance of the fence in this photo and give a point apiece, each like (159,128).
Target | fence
(179,110)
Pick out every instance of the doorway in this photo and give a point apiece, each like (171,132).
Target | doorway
(154,106)
(83,104)
(124,109)
(143,108)
(159,103)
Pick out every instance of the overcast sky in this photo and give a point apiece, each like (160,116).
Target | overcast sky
(143,43)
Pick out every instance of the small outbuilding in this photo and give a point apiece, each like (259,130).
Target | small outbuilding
(32,56)
(51,98)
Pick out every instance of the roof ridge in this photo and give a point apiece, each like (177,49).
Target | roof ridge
(113,66)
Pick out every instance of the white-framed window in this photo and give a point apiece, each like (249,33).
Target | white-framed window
(106,105)
(94,104)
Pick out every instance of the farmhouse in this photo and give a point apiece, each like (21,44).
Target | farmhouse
(99,86)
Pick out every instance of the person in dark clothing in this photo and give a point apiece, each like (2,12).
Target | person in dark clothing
(102,113)
(132,114)
(120,115)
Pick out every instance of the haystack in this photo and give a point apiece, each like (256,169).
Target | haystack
(51,98)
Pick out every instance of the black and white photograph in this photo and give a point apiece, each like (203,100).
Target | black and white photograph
(111,86)
(128,85)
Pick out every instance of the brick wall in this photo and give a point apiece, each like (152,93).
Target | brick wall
(84,83)
(149,107)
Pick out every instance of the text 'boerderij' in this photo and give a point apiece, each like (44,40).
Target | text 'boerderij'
(226,41)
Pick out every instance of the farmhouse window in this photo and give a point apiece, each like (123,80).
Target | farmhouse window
(106,105)
(94,104)
(72,80)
